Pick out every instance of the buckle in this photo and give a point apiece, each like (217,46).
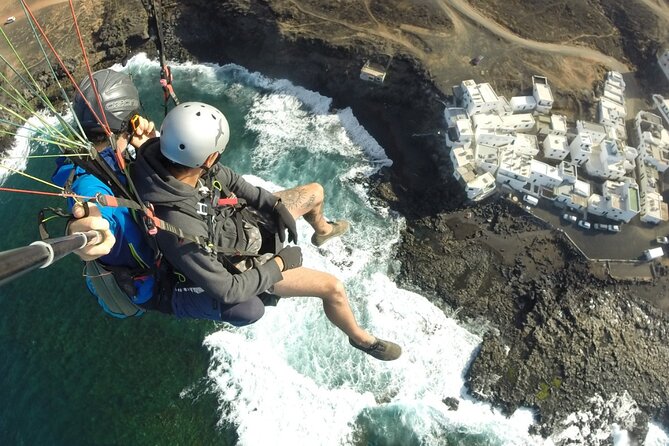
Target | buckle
(202,208)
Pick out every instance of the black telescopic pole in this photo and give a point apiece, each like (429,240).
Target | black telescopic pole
(16,262)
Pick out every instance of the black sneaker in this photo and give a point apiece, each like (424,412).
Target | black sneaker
(383,350)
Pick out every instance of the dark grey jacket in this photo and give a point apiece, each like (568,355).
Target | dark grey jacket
(157,186)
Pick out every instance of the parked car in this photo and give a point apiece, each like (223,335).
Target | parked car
(570,217)
(600,226)
(613,228)
(584,224)
(531,200)
(10,19)
(662,240)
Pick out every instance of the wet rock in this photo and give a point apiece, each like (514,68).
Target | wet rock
(451,403)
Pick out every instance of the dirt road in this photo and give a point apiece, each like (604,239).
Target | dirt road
(465,9)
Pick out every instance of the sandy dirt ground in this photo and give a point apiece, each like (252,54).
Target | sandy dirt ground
(56,19)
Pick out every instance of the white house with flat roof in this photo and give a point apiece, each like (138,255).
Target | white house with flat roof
(615,78)
(619,200)
(482,98)
(568,196)
(542,94)
(611,160)
(373,72)
(662,106)
(558,124)
(580,149)
(503,124)
(653,209)
(488,138)
(523,104)
(653,140)
(481,187)
(477,185)
(524,144)
(555,147)
(487,158)
(597,132)
(568,172)
(457,119)
(514,170)
(544,175)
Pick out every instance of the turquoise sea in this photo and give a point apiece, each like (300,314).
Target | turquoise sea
(71,375)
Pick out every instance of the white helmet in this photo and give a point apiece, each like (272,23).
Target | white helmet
(191,132)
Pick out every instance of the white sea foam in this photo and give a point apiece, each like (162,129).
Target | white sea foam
(16,157)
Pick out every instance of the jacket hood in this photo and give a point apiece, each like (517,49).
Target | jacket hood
(153,182)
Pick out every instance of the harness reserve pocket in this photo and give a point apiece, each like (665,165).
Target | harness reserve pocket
(253,244)
(110,295)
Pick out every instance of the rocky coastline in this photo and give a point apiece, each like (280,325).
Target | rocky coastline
(561,336)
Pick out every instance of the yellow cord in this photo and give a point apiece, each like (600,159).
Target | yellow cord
(39,180)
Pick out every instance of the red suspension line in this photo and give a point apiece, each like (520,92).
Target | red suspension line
(51,194)
(88,68)
(62,65)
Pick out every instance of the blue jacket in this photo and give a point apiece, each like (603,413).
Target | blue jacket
(131,249)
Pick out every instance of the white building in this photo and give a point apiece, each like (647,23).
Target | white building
(568,172)
(653,140)
(615,78)
(572,196)
(523,122)
(619,201)
(482,98)
(612,117)
(480,187)
(544,175)
(611,160)
(477,186)
(487,158)
(555,147)
(487,138)
(542,94)
(580,149)
(662,106)
(373,72)
(597,132)
(523,144)
(523,104)
(663,61)
(653,208)
(558,124)
(514,170)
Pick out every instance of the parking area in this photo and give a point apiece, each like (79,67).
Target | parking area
(628,244)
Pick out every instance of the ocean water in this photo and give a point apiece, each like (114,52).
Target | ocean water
(72,375)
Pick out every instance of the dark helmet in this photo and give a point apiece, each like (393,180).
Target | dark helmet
(119,98)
